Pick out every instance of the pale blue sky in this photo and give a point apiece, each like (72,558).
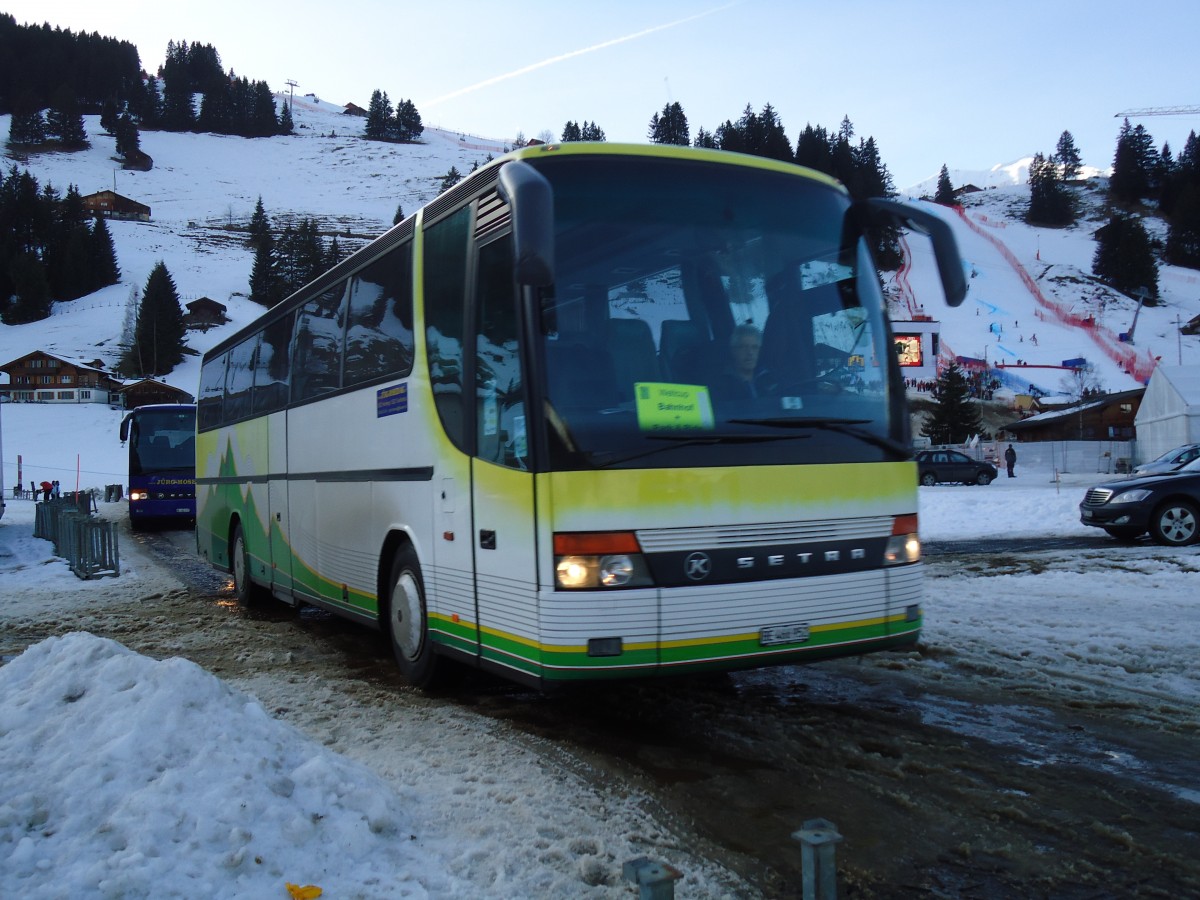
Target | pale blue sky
(967,84)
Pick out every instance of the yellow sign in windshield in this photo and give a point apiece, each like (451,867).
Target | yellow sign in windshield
(662,406)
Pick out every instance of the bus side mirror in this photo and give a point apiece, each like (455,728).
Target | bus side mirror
(945,247)
(531,200)
(125,429)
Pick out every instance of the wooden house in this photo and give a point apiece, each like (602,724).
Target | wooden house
(112,205)
(41,377)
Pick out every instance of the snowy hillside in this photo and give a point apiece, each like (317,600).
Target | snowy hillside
(1024,281)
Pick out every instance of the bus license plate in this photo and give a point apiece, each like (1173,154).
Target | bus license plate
(783,634)
(182,509)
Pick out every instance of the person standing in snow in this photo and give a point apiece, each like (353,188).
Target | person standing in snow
(1010,460)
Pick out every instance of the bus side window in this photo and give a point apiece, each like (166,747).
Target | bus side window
(379,332)
(445,268)
(272,368)
(499,397)
(212,392)
(239,379)
(317,346)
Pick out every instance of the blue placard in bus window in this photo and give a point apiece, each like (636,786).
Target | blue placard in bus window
(392,400)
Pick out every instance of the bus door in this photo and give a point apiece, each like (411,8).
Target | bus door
(277,505)
(502,494)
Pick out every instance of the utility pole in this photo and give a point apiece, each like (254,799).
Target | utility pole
(292,85)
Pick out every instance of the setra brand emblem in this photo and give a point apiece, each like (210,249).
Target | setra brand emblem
(697,566)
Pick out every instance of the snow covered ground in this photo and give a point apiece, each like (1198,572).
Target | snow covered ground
(127,776)
(133,777)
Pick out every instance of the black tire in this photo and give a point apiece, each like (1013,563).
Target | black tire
(408,620)
(247,592)
(1175,524)
(983,478)
(929,479)
(1125,535)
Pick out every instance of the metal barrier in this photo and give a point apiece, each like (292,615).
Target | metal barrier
(89,545)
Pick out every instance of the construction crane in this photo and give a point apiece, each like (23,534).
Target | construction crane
(1159,111)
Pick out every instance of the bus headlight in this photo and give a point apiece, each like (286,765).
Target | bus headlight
(904,546)
(586,561)
(138,495)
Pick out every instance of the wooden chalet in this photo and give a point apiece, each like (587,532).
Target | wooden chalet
(148,391)
(1109,417)
(41,377)
(112,205)
(204,314)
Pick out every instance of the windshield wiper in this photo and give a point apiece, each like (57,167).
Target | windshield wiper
(831,423)
(691,440)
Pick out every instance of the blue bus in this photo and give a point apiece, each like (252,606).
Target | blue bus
(162,463)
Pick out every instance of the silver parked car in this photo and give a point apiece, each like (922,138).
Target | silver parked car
(1170,461)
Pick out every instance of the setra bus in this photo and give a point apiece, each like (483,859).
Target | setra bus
(162,463)
(597,411)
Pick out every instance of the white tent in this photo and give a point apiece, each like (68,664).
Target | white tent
(1170,411)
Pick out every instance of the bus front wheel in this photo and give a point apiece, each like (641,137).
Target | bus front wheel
(246,591)
(408,621)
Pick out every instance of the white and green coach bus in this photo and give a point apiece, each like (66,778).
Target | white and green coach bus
(597,411)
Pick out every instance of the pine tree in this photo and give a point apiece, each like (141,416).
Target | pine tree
(1068,157)
(449,180)
(27,126)
(954,418)
(571,132)
(31,291)
(1124,256)
(108,116)
(945,190)
(264,277)
(103,255)
(705,139)
(65,122)
(671,127)
(1133,164)
(399,216)
(260,225)
(159,334)
(128,141)
(286,125)
(1049,201)
(592,132)
(379,116)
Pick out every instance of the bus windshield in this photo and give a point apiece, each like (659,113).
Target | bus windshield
(162,441)
(708,315)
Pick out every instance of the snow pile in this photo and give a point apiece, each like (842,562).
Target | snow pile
(123,775)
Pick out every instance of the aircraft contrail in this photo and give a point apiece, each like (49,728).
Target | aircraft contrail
(556,59)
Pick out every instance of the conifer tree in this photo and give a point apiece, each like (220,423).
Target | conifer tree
(27,126)
(671,127)
(945,190)
(108,116)
(1067,154)
(1050,203)
(1133,164)
(30,301)
(449,180)
(264,277)
(955,418)
(128,141)
(260,225)
(399,216)
(571,132)
(1124,256)
(103,256)
(286,125)
(705,139)
(379,116)
(157,346)
(65,122)
(592,132)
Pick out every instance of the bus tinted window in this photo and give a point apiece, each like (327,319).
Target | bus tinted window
(379,335)
(272,369)
(239,380)
(500,398)
(317,348)
(445,298)
(212,392)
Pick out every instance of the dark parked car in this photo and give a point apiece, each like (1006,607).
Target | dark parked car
(1167,505)
(934,466)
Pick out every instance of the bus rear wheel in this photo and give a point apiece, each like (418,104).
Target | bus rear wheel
(408,620)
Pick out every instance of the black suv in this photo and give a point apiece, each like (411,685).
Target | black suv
(1166,505)
(934,466)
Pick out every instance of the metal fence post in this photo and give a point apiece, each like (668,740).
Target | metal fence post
(818,838)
